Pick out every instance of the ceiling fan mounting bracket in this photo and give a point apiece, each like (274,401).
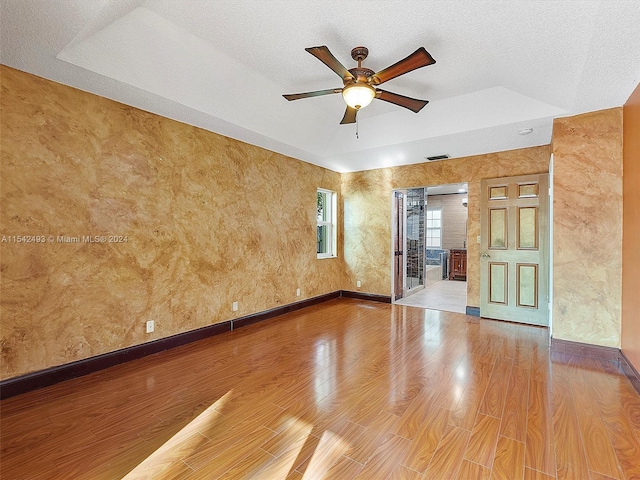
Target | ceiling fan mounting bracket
(359,53)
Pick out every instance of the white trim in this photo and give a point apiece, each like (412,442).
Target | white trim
(332,210)
(550,256)
(426,227)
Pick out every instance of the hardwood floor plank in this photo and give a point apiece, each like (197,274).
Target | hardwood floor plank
(530,474)
(496,393)
(427,440)
(31,468)
(298,430)
(448,457)
(571,462)
(417,414)
(343,468)
(252,466)
(404,473)
(540,453)
(175,471)
(465,412)
(389,456)
(625,441)
(372,437)
(112,457)
(341,390)
(514,419)
(631,406)
(541,365)
(509,460)
(598,449)
(470,470)
(220,454)
(166,460)
(599,476)
(621,385)
(483,441)
(305,453)
(331,447)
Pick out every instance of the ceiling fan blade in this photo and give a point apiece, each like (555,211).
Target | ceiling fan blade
(317,93)
(323,54)
(412,104)
(419,58)
(349,116)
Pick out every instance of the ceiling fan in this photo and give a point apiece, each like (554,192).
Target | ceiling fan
(360,83)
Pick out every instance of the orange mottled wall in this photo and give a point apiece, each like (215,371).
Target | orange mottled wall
(587,243)
(367,210)
(630,335)
(207,220)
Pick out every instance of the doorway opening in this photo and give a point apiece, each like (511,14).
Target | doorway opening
(430,247)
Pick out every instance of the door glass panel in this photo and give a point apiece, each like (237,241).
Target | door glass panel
(527,287)
(498,228)
(415,237)
(528,190)
(498,282)
(496,193)
(528,228)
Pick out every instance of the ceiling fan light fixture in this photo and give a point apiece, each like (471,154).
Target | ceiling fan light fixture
(358,95)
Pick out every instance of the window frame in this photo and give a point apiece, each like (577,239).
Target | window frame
(331,204)
(428,229)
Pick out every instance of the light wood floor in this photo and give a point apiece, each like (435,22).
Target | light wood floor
(346,389)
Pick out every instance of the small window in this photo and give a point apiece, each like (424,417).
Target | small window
(326,216)
(434,228)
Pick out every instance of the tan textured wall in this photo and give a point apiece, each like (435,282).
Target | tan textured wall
(209,220)
(367,210)
(630,334)
(587,209)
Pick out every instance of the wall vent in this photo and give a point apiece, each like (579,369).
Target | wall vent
(435,158)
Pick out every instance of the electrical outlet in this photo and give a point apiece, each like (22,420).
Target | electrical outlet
(358,284)
(478,238)
(297,292)
(234,306)
(151,326)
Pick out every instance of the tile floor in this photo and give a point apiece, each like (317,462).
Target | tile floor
(446,295)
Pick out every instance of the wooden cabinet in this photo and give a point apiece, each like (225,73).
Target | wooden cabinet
(457,264)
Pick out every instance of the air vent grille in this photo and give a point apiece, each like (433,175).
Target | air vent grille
(435,158)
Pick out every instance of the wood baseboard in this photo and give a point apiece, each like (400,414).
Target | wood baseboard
(281,310)
(599,352)
(585,349)
(366,296)
(50,376)
(630,371)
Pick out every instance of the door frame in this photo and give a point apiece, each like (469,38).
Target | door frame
(392,210)
(513,256)
(394,236)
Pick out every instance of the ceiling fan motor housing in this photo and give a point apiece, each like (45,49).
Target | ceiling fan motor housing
(360,74)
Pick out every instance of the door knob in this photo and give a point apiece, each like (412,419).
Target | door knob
(485,255)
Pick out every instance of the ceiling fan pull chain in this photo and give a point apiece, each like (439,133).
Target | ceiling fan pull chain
(357,137)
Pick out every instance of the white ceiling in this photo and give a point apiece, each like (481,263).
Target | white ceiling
(223,65)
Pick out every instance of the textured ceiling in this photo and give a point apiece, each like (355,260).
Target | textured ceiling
(224,65)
